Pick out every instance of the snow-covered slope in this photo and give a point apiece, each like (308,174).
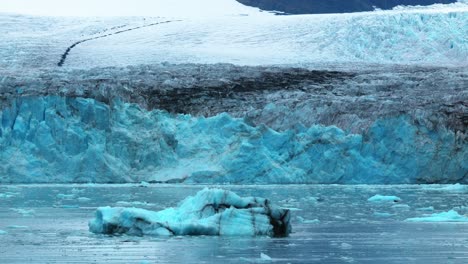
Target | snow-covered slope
(417,36)
(151,8)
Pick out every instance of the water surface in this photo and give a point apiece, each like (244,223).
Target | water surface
(331,224)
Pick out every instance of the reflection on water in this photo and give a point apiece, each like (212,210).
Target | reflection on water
(331,224)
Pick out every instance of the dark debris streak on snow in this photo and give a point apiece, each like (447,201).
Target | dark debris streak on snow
(67,51)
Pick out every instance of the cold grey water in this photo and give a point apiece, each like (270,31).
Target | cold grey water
(331,224)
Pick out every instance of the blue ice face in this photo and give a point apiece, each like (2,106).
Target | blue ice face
(56,139)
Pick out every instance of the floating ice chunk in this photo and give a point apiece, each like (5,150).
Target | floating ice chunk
(449,188)
(3,232)
(4,195)
(311,199)
(144,184)
(24,212)
(461,209)
(401,206)
(347,259)
(68,206)
(128,204)
(346,246)
(450,216)
(265,257)
(83,199)
(383,198)
(293,208)
(65,196)
(7,195)
(427,209)
(209,212)
(306,221)
(77,191)
(383,214)
(17,227)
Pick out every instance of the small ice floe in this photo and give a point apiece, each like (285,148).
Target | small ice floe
(68,206)
(136,203)
(426,209)
(383,214)
(3,232)
(346,246)
(213,212)
(144,184)
(384,198)
(77,191)
(288,203)
(7,195)
(65,196)
(448,188)
(311,199)
(305,221)
(292,208)
(347,259)
(265,257)
(24,212)
(450,216)
(4,195)
(461,209)
(17,227)
(83,199)
(401,206)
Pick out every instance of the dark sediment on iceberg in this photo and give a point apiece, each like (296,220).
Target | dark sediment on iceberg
(211,212)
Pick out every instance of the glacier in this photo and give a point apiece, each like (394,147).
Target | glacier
(213,212)
(47,139)
(416,36)
(240,97)
(104,114)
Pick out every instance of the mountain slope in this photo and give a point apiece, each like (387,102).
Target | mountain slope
(333,6)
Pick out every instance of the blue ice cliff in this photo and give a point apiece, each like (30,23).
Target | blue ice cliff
(212,212)
(53,139)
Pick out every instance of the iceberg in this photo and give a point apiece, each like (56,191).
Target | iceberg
(384,198)
(450,216)
(212,212)
(456,188)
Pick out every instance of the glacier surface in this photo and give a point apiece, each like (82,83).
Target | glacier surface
(47,139)
(150,8)
(213,212)
(415,36)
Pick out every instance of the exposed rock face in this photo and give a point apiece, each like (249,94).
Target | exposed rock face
(334,6)
(212,212)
